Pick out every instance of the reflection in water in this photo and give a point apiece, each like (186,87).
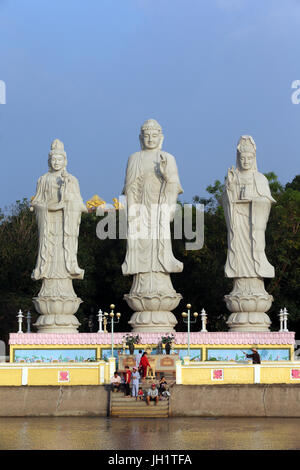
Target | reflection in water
(153,434)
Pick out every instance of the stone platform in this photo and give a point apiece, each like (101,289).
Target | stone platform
(208,346)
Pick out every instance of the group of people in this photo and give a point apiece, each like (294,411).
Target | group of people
(129,377)
(133,377)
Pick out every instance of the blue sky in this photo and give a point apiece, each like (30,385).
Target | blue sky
(90,72)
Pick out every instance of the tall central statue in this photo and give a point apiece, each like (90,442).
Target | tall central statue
(58,206)
(152,186)
(247,202)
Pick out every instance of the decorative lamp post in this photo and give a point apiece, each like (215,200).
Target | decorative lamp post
(203,316)
(285,314)
(20,317)
(112,321)
(100,320)
(281,320)
(187,319)
(28,318)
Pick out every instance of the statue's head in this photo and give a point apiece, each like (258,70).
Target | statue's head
(57,159)
(246,154)
(151,136)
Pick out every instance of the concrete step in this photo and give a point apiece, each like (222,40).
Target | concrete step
(142,411)
(125,407)
(140,408)
(132,400)
(131,415)
(145,411)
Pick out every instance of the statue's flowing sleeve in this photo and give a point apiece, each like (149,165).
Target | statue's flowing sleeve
(227,199)
(40,206)
(132,192)
(72,215)
(172,172)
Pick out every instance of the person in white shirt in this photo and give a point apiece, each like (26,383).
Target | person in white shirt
(138,359)
(135,378)
(115,382)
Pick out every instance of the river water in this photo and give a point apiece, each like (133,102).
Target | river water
(154,434)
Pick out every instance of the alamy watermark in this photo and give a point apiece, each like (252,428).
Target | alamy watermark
(297,350)
(2,92)
(145,222)
(2,351)
(296,94)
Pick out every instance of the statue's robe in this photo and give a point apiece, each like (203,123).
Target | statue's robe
(149,246)
(246,225)
(58,230)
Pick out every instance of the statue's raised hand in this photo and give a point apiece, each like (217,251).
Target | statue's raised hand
(231,176)
(163,166)
(64,188)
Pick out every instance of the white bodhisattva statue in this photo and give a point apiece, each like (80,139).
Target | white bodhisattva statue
(58,206)
(247,202)
(152,186)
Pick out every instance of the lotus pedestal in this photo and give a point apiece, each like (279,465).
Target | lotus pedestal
(57,304)
(153,311)
(248,302)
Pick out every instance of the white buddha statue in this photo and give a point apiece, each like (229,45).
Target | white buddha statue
(247,202)
(58,206)
(152,186)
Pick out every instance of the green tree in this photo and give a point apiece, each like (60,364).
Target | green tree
(202,282)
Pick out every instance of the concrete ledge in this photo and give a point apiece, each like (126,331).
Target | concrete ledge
(253,400)
(278,400)
(79,400)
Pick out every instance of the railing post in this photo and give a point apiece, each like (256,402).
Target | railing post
(112,366)
(178,373)
(101,373)
(256,373)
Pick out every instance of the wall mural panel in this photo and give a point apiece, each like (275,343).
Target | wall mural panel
(54,355)
(266,354)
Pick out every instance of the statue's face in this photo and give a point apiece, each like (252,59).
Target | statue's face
(151,139)
(57,162)
(246,160)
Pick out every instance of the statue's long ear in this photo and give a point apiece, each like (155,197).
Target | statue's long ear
(141,141)
(237,163)
(161,141)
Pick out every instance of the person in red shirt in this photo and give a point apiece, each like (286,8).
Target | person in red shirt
(127,381)
(144,364)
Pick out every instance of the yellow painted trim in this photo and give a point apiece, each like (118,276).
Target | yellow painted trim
(16,374)
(201,373)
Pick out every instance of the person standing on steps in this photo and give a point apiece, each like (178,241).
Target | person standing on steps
(138,358)
(144,364)
(127,381)
(135,379)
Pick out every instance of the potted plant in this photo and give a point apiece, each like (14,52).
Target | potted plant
(167,341)
(131,340)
